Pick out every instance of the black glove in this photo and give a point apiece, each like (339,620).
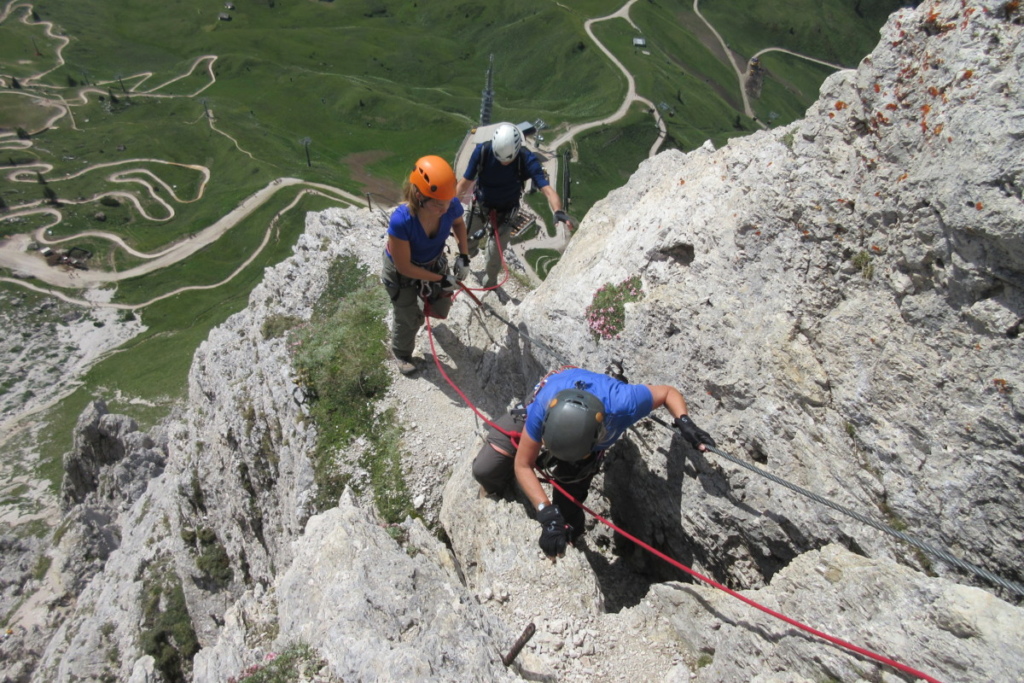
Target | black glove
(462,267)
(448,284)
(563,217)
(692,433)
(554,531)
(434,290)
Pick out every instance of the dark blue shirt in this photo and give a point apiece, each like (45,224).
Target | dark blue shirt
(498,186)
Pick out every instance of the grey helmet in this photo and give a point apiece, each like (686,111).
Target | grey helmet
(573,424)
(506,142)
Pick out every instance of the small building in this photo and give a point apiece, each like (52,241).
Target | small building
(639,42)
(46,251)
(526,128)
(229,5)
(224,16)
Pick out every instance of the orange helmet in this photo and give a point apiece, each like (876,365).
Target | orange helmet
(434,178)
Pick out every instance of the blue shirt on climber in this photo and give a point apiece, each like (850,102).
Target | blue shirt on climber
(624,404)
(498,185)
(423,249)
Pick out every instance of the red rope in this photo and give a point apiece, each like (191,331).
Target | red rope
(514,436)
(714,584)
(501,252)
(440,368)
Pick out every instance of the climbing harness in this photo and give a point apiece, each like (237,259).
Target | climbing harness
(714,584)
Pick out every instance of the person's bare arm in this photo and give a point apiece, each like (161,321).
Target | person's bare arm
(554,201)
(464,189)
(668,396)
(459,230)
(401,254)
(674,402)
(526,460)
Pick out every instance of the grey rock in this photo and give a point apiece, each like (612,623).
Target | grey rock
(840,302)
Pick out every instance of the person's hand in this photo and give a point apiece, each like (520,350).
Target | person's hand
(563,217)
(432,290)
(554,531)
(692,433)
(462,267)
(448,283)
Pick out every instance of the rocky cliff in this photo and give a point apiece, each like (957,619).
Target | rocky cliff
(840,301)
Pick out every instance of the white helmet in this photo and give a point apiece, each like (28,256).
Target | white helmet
(506,142)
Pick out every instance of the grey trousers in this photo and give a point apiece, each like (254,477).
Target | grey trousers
(481,217)
(493,465)
(494,471)
(408,307)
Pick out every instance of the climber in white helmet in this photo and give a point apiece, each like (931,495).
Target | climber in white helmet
(495,175)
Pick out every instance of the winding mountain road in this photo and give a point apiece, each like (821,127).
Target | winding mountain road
(631,96)
(14,250)
(14,253)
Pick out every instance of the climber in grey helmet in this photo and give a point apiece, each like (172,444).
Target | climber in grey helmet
(573,425)
(575,415)
(494,176)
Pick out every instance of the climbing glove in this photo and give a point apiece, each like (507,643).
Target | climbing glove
(563,217)
(448,284)
(554,531)
(692,433)
(462,267)
(434,290)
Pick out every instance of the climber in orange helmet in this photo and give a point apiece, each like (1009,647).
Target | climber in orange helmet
(415,268)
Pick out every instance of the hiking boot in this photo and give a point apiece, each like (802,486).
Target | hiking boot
(405,364)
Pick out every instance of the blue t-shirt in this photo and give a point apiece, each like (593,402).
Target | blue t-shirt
(423,249)
(497,185)
(624,404)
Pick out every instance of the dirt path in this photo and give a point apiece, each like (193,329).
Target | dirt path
(14,253)
(838,67)
(631,96)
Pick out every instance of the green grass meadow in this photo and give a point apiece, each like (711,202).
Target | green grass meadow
(364,87)
(837,31)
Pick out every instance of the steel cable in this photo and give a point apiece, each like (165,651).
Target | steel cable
(944,555)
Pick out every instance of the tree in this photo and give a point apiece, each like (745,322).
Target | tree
(305,143)
(50,195)
(15,84)
(3,204)
(22,135)
(40,179)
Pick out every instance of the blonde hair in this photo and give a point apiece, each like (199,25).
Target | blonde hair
(412,196)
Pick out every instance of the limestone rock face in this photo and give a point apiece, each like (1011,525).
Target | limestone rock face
(867,602)
(839,300)
(100,441)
